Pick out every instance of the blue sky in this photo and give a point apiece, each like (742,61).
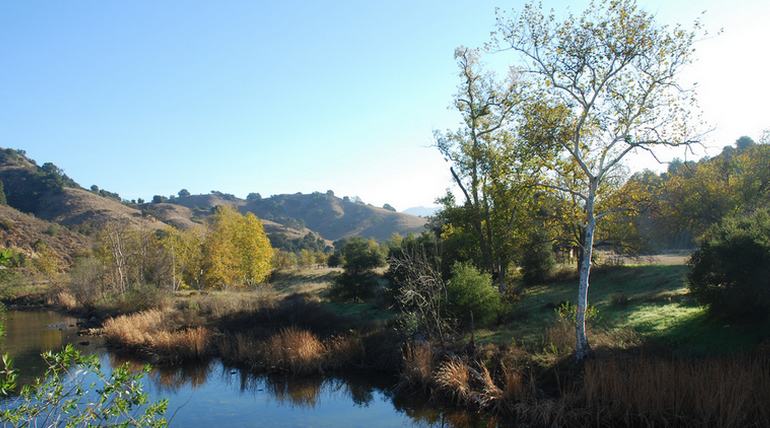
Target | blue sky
(148,97)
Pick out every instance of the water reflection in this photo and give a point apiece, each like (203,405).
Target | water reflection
(213,394)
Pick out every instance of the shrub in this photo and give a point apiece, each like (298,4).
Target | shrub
(538,261)
(730,272)
(471,294)
(567,311)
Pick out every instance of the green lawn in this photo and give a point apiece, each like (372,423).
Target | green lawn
(652,300)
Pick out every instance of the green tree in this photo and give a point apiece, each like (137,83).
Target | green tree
(183,193)
(471,296)
(359,258)
(613,72)
(3,200)
(730,271)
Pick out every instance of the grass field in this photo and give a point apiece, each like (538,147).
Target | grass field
(652,300)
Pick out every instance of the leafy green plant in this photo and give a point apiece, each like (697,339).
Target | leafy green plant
(76,392)
(567,311)
(470,293)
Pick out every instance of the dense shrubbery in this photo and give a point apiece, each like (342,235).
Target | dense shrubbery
(471,295)
(731,270)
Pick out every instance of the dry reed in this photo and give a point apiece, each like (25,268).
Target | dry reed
(294,350)
(724,392)
(145,331)
(417,368)
(453,377)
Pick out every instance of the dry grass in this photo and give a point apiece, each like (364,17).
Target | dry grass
(66,300)
(344,351)
(417,368)
(732,392)
(453,378)
(560,338)
(294,350)
(145,331)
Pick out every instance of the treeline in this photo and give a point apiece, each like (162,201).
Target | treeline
(681,204)
(230,251)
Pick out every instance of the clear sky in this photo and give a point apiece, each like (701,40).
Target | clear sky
(148,97)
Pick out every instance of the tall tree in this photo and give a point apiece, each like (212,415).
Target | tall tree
(486,107)
(613,72)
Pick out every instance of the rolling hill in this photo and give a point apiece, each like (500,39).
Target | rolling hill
(331,217)
(45,193)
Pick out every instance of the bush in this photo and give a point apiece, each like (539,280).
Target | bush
(359,258)
(731,271)
(567,311)
(538,261)
(470,293)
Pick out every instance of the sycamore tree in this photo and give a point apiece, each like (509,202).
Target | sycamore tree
(607,81)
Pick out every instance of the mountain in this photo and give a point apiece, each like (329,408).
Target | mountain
(315,219)
(47,193)
(422,211)
(331,217)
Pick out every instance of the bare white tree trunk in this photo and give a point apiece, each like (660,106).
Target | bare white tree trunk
(581,345)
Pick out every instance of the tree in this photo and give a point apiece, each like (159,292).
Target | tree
(139,201)
(253,197)
(389,207)
(237,250)
(485,106)
(471,296)
(611,75)
(157,199)
(730,272)
(743,143)
(3,200)
(185,253)
(95,188)
(359,258)
(183,193)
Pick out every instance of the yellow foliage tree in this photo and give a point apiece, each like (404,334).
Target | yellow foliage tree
(237,251)
(185,253)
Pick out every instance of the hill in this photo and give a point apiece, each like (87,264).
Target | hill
(26,234)
(331,217)
(292,221)
(48,193)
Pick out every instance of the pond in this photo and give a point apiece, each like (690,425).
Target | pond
(214,395)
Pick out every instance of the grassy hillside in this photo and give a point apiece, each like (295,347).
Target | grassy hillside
(650,300)
(334,218)
(329,216)
(46,192)
(25,233)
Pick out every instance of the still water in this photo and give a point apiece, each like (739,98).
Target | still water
(214,395)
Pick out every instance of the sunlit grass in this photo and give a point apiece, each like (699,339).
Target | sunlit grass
(651,300)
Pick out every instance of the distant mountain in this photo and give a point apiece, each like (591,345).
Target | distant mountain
(316,219)
(422,211)
(329,216)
